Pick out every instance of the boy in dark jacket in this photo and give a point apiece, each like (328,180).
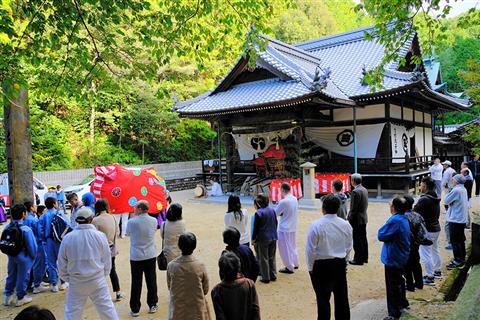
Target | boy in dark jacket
(428,206)
(395,235)
(248,263)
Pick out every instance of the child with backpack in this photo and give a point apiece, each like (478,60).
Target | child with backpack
(18,242)
(52,226)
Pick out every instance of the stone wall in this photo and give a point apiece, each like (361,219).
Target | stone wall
(179,175)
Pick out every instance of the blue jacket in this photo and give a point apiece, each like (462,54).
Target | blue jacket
(45,221)
(60,195)
(30,243)
(32,222)
(265,225)
(395,235)
(50,195)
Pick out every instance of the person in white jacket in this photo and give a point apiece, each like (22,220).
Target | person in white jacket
(84,261)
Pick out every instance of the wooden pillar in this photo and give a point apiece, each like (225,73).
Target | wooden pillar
(18,143)
(230,153)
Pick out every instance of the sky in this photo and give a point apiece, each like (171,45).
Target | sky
(458,6)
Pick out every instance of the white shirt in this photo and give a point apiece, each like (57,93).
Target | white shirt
(141,229)
(436,172)
(287,210)
(84,255)
(329,237)
(240,225)
(447,175)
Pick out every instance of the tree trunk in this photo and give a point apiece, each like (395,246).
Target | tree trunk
(18,143)
(92,124)
(143,153)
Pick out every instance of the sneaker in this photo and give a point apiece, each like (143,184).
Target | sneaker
(134,314)
(153,309)
(428,281)
(455,265)
(448,247)
(7,300)
(54,288)
(40,289)
(45,284)
(119,296)
(24,300)
(64,286)
(438,274)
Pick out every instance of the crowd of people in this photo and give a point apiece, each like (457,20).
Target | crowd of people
(78,253)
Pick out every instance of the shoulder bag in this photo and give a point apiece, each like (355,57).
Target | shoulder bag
(162,259)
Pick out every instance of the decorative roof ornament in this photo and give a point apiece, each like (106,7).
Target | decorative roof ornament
(175,99)
(364,74)
(417,74)
(320,80)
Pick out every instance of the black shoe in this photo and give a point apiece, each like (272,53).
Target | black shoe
(411,289)
(264,281)
(296,267)
(273,279)
(355,263)
(285,270)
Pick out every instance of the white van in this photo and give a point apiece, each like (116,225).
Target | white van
(38,188)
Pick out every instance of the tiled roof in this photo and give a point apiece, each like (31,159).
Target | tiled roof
(330,68)
(250,94)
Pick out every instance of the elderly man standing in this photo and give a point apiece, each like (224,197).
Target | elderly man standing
(457,201)
(287,211)
(329,241)
(187,281)
(143,252)
(358,220)
(436,171)
(84,261)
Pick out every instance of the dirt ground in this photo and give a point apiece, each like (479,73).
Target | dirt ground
(291,297)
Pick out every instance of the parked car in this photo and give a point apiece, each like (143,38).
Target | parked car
(81,188)
(38,189)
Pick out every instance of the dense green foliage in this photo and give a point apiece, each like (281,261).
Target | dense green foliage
(102,75)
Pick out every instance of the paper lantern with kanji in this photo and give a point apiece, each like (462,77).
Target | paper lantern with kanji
(123,188)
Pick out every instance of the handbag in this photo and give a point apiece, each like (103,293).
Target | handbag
(162,259)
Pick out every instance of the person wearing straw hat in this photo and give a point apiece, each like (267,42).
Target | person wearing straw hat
(84,261)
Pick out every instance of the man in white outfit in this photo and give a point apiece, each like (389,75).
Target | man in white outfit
(436,171)
(287,211)
(84,261)
(448,174)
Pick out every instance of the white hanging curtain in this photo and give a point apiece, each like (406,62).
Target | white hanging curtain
(340,139)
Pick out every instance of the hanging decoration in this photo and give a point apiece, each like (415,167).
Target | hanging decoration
(251,145)
(323,182)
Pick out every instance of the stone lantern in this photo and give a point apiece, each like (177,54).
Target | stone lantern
(308,201)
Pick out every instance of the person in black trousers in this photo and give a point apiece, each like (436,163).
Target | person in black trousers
(474,165)
(413,269)
(264,238)
(143,256)
(395,235)
(358,219)
(329,241)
